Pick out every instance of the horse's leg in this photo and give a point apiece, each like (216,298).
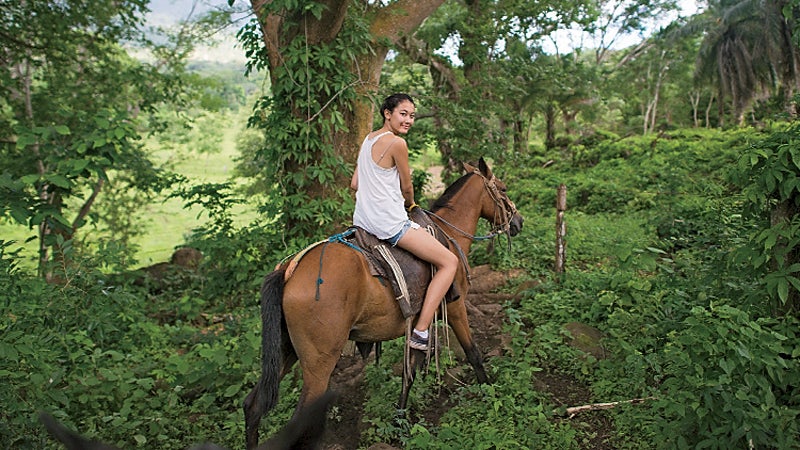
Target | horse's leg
(457,316)
(416,359)
(317,363)
(319,330)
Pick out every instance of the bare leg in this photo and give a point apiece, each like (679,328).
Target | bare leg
(426,247)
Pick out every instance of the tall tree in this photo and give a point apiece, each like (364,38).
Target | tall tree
(656,81)
(324,60)
(618,18)
(70,96)
(485,86)
(747,52)
(66,120)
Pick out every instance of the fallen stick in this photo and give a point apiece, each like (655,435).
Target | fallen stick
(572,411)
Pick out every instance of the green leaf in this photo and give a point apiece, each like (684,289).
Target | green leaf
(25,140)
(62,130)
(58,180)
(102,122)
(30,179)
(79,164)
(20,214)
(232,391)
(783,289)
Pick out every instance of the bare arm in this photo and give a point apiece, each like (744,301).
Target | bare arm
(400,155)
(354,180)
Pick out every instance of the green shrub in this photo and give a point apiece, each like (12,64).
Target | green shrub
(769,176)
(506,414)
(731,382)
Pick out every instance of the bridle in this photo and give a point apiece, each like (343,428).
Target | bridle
(503,207)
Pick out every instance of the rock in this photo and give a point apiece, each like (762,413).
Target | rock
(586,339)
(186,257)
(485,280)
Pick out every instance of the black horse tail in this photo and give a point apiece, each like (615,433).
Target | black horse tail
(70,439)
(271,339)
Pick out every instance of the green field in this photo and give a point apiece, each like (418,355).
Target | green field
(167,223)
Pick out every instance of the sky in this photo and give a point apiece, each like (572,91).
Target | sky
(168,12)
(565,40)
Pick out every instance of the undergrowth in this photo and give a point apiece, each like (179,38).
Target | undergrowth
(663,259)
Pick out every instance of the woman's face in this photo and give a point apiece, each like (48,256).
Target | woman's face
(401,119)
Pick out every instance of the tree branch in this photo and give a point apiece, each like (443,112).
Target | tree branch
(88,204)
(401,18)
(443,73)
(572,411)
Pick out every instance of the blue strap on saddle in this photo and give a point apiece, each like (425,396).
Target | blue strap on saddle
(340,238)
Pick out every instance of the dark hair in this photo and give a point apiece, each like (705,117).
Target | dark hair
(392,101)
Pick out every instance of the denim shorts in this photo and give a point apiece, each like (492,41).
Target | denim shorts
(406,225)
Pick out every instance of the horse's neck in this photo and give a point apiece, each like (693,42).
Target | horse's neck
(460,221)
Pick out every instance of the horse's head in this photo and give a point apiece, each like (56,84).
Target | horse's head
(496,207)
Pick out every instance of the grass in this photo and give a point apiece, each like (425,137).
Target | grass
(170,222)
(167,223)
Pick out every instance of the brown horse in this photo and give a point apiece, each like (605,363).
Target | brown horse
(310,322)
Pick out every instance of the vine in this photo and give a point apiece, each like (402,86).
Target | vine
(312,91)
(770,176)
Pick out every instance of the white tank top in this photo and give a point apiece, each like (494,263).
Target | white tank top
(380,206)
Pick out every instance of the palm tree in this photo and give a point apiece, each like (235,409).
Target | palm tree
(746,52)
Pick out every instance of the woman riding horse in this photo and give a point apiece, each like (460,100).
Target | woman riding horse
(384,192)
(332,297)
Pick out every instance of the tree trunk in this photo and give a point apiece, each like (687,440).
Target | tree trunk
(445,85)
(708,111)
(549,127)
(388,24)
(280,28)
(569,119)
(785,212)
(694,98)
(520,136)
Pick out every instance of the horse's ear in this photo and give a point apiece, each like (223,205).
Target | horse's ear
(469,168)
(485,170)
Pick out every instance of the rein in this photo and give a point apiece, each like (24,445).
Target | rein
(507,208)
(473,237)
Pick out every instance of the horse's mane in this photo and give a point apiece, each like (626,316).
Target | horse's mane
(444,200)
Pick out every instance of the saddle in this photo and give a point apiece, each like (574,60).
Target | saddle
(408,275)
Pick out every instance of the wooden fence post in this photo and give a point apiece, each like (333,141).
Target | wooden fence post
(561,231)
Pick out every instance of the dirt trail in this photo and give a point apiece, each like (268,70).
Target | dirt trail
(486,317)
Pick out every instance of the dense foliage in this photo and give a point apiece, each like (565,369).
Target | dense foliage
(682,246)
(75,105)
(311,93)
(655,230)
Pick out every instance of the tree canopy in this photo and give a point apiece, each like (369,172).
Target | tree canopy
(74,106)
(684,237)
